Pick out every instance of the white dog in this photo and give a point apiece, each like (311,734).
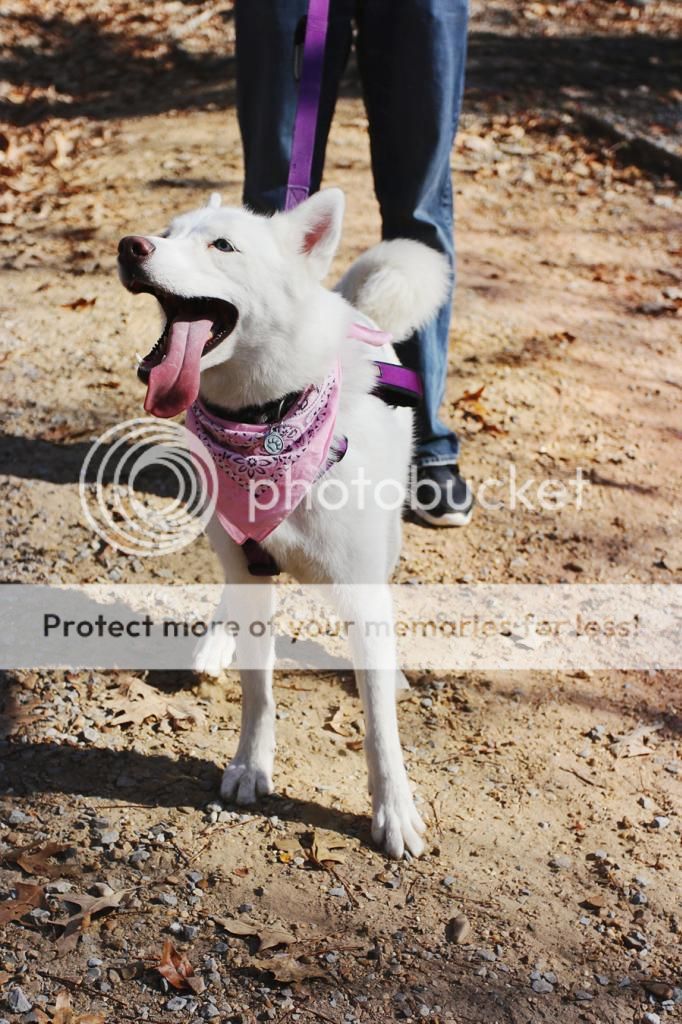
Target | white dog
(246,310)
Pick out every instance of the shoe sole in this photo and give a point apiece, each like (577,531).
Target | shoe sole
(449,519)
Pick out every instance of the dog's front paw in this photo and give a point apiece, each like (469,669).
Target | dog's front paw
(397,826)
(244,782)
(214,653)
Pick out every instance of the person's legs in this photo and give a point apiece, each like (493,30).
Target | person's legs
(266,92)
(412,57)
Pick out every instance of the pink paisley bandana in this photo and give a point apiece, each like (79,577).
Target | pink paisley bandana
(265,470)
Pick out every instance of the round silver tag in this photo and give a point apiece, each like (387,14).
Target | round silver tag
(273,443)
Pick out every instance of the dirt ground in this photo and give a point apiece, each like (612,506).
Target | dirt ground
(550,886)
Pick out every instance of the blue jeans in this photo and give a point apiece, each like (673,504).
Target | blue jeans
(411,58)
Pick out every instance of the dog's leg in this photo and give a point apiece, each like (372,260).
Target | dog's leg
(249,774)
(214,652)
(252,603)
(396,824)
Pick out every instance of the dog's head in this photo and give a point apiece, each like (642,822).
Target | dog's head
(224,276)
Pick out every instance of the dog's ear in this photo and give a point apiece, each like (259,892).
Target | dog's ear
(316,227)
(214,201)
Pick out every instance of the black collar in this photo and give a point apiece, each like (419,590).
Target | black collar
(269,412)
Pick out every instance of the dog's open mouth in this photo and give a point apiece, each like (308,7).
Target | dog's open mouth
(171,369)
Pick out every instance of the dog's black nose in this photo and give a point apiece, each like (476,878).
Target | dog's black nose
(135,248)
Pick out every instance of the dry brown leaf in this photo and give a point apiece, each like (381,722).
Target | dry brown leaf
(78,304)
(4,978)
(178,971)
(636,743)
(28,897)
(77,923)
(288,845)
(288,970)
(323,855)
(268,936)
(34,859)
(469,396)
(336,723)
(139,702)
(64,1012)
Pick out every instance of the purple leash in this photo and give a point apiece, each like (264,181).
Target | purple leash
(395,384)
(305,125)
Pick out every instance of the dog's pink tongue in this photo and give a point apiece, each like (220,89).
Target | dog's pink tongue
(174,383)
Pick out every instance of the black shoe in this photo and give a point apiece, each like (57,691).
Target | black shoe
(441,497)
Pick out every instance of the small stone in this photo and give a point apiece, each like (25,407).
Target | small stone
(168,899)
(17,1001)
(651,1018)
(17,817)
(176,1003)
(635,940)
(638,898)
(94,961)
(642,880)
(458,929)
(245,908)
(596,732)
(583,996)
(598,855)
(176,928)
(426,702)
(541,986)
(646,802)
(195,876)
(560,862)
(673,767)
(550,976)
(449,881)
(660,821)
(601,979)
(191,931)
(61,886)
(90,734)
(210,1011)
(109,837)
(338,890)
(486,954)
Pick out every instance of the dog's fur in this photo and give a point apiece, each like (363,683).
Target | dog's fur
(289,333)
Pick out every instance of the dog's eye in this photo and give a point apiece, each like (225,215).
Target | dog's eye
(223,245)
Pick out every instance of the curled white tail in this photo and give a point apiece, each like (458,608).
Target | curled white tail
(400,285)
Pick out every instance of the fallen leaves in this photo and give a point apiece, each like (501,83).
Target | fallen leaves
(474,409)
(269,936)
(138,703)
(337,723)
(88,907)
(322,855)
(178,971)
(65,1014)
(35,859)
(636,743)
(289,971)
(27,898)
